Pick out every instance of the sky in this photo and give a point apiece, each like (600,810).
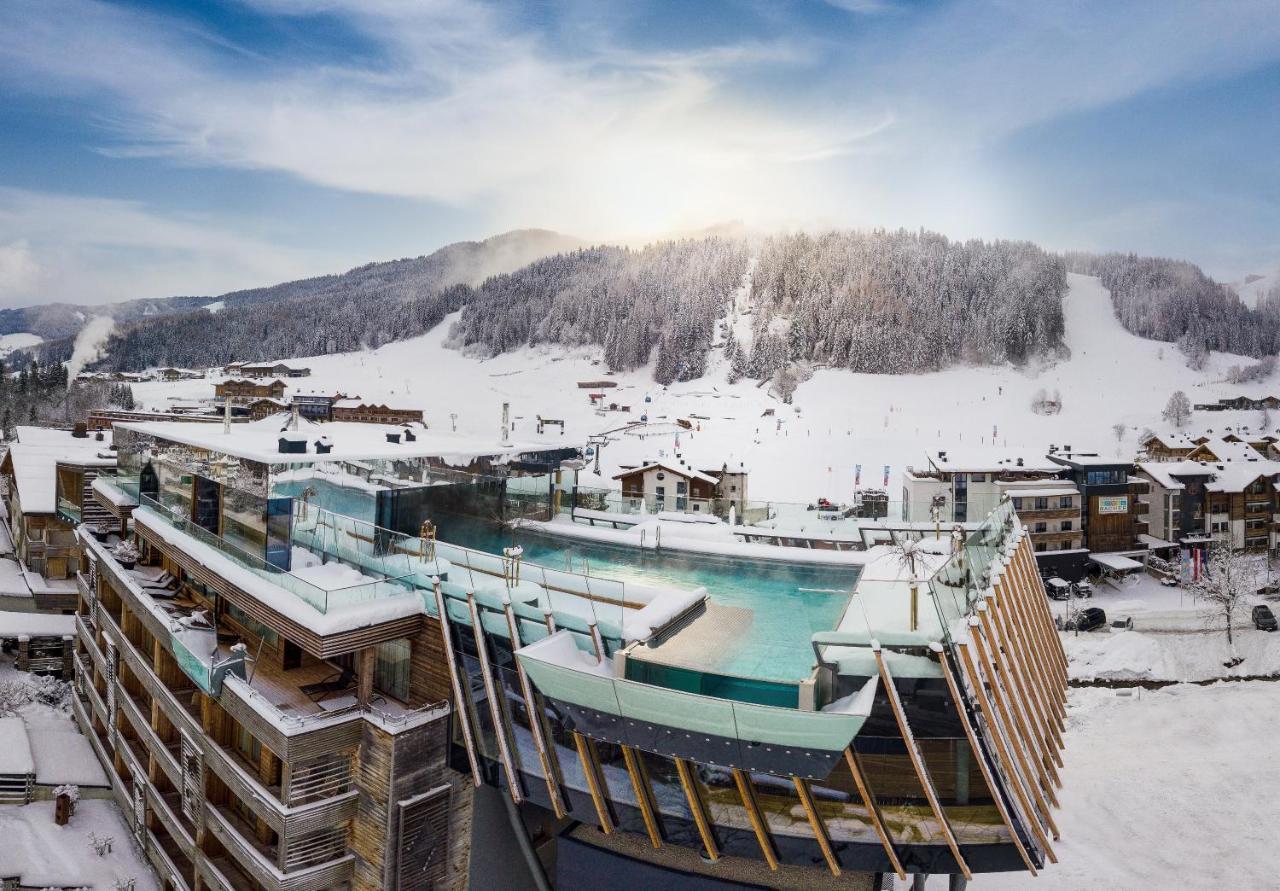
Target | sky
(157,148)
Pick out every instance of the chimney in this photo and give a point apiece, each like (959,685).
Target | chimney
(1019,462)
(80,431)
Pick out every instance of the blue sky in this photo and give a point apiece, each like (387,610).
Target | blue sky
(151,148)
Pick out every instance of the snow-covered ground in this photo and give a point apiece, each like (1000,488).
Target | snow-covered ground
(838,420)
(1163,789)
(42,854)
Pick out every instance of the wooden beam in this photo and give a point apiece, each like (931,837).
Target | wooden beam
(1023,788)
(1030,627)
(805,794)
(459,702)
(590,769)
(873,810)
(747,793)
(644,794)
(495,704)
(971,733)
(366,665)
(697,807)
(1035,779)
(918,762)
(1036,744)
(533,709)
(1036,608)
(1014,631)
(1037,715)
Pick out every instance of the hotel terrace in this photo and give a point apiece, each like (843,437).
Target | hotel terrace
(299,679)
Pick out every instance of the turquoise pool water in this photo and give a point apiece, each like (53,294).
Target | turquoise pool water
(787,602)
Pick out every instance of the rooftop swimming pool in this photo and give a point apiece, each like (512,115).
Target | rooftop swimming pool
(774,607)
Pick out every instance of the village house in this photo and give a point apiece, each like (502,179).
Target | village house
(242,390)
(1111,510)
(315,406)
(675,485)
(372,413)
(265,407)
(273,369)
(1232,500)
(178,374)
(50,475)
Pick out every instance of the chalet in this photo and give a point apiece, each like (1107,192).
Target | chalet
(242,390)
(265,407)
(318,406)
(1233,501)
(50,474)
(596,385)
(367,413)
(1168,446)
(178,374)
(668,485)
(273,369)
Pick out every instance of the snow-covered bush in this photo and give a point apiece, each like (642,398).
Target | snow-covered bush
(17,694)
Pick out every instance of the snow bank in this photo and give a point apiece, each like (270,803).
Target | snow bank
(15,752)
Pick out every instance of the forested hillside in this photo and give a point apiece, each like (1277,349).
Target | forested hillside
(661,302)
(1175,301)
(901,302)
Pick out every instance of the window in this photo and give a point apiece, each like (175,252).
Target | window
(1066,526)
(1017,504)
(1040,546)
(1064,501)
(978,478)
(1106,477)
(1042,504)
(1042,527)
(391,669)
(1065,546)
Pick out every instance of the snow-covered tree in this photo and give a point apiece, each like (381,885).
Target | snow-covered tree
(1177,411)
(1228,580)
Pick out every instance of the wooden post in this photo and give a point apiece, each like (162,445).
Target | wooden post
(495,704)
(533,709)
(460,706)
(1010,661)
(1023,787)
(873,811)
(971,734)
(366,661)
(918,762)
(805,794)
(644,794)
(1036,781)
(590,770)
(747,793)
(697,807)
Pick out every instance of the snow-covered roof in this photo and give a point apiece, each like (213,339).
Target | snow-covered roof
(1224,476)
(1042,492)
(15,751)
(1175,440)
(35,457)
(991,460)
(679,469)
(1089,459)
(1115,562)
(259,441)
(15,624)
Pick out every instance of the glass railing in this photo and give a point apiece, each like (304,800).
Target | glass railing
(69,509)
(966,576)
(123,487)
(319,597)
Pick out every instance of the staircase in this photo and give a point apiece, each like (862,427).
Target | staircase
(91,512)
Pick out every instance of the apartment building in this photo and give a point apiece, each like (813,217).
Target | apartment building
(1235,502)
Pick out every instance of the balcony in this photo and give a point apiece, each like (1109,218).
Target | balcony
(69,510)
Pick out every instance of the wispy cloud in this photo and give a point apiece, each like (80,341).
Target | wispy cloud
(92,250)
(470,104)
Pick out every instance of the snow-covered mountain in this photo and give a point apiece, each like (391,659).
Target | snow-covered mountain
(1253,288)
(839,418)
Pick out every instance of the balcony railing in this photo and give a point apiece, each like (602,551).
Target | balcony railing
(255,569)
(69,509)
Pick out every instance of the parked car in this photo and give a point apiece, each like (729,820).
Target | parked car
(1263,618)
(1087,620)
(1122,623)
(1084,588)
(1057,588)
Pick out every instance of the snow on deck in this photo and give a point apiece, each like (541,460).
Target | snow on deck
(15,751)
(62,754)
(14,624)
(351,441)
(42,854)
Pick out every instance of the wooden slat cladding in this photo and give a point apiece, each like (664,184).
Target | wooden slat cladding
(298,746)
(321,646)
(373,814)
(428,667)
